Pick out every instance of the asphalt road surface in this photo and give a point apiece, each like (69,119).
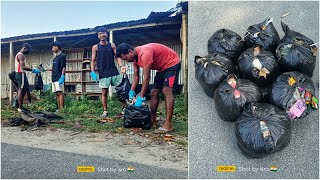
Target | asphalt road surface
(19,162)
(212,142)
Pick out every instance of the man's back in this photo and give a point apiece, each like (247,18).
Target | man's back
(159,56)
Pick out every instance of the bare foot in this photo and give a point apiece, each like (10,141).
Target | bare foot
(162,130)
(167,126)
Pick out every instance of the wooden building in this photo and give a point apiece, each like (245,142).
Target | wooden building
(169,28)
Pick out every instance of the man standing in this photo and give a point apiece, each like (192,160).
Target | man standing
(20,76)
(158,57)
(58,73)
(103,54)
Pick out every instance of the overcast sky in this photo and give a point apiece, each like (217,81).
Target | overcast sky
(21,17)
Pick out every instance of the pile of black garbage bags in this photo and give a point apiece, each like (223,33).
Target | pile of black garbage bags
(260,82)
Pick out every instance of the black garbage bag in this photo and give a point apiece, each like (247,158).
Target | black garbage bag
(263,34)
(227,42)
(261,130)
(259,66)
(266,93)
(123,89)
(47,115)
(12,77)
(38,83)
(296,52)
(31,121)
(137,117)
(291,36)
(211,70)
(231,96)
(16,121)
(294,93)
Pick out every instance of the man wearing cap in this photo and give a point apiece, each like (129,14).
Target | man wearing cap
(20,77)
(103,54)
(58,73)
(153,56)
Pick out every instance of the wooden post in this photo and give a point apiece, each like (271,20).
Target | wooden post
(185,59)
(53,55)
(11,66)
(54,39)
(111,41)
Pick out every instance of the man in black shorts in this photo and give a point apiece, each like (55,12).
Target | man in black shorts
(153,56)
(20,77)
(12,77)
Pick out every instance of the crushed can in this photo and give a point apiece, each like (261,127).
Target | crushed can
(307,97)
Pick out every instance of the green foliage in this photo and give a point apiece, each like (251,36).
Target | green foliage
(8,113)
(6,110)
(180,111)
(36,93)
(180,127)
(181,142)
(85,111)
(47,102)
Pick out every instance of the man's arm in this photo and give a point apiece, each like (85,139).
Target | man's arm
(119,61)
(146,80)
(115,52)
(94,56)
(21,59)
(147,59)
(135,77)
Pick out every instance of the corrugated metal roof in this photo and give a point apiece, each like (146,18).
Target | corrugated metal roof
(154,17)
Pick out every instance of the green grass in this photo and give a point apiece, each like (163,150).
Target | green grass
(7,111)
(181,142)
(179,108)
(180,116)
(180,127)
(82,110)
(86,111)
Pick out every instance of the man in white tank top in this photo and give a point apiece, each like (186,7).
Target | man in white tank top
(20,68)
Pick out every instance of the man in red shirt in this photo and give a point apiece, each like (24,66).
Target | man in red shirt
(153,56)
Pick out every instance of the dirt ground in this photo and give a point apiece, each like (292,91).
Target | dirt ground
(133,147)
(141,147)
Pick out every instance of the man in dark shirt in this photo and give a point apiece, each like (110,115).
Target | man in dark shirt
(58,73)
(103,54)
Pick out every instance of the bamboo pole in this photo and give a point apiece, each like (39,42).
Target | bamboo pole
(54,39)
(11,62)
(111,41)
(185,59)
(53,55)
